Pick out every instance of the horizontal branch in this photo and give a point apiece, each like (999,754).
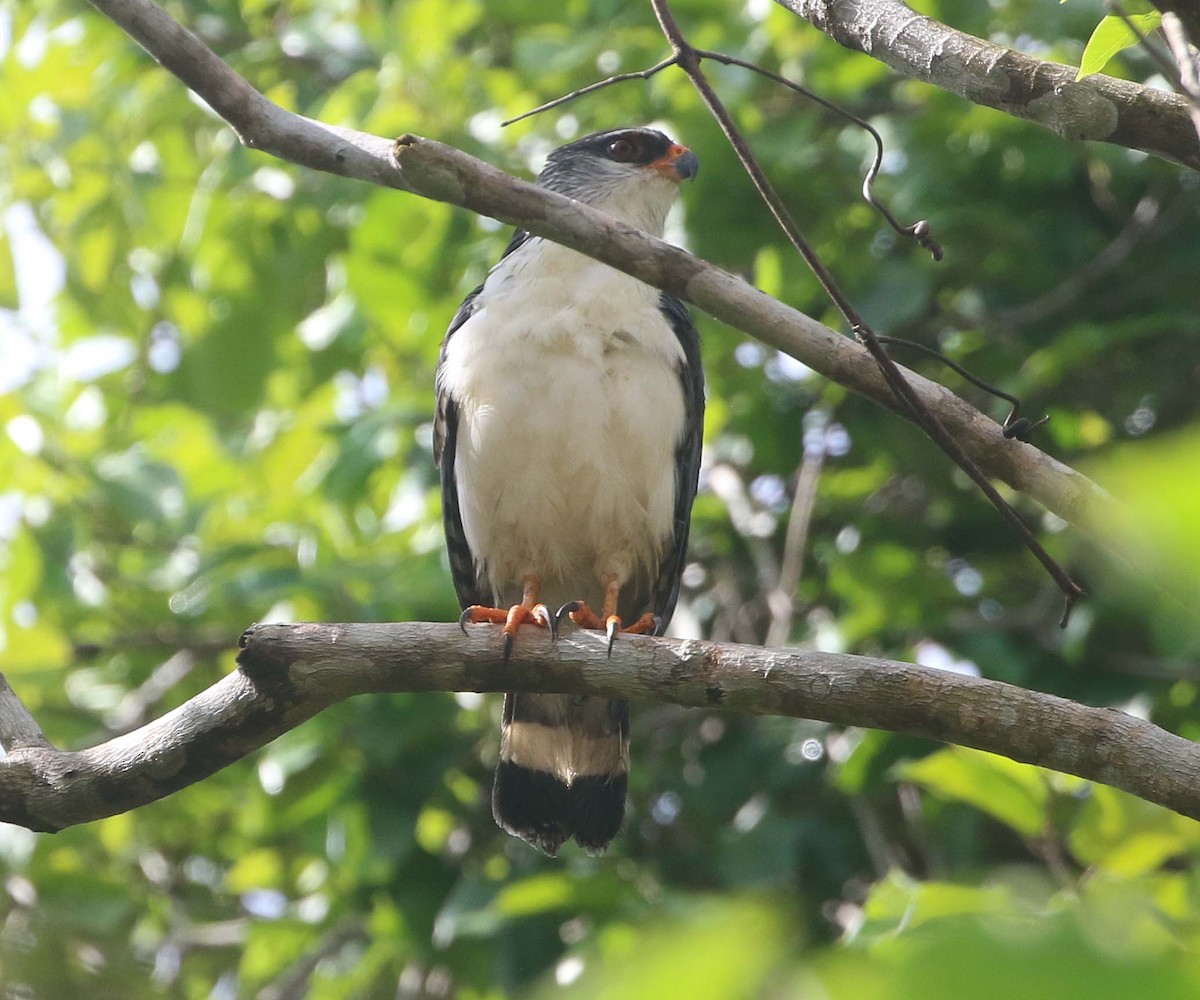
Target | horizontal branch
(1101,108)
(289,673)
(440,172)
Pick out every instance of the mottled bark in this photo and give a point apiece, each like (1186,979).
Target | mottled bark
(1100,108)
(288,673)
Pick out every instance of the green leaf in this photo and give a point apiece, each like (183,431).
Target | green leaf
(1156,481)
(1126,836)
(1113,35)
(900,901)
(718,948)
(8,276)
(259,869)
(1015,794)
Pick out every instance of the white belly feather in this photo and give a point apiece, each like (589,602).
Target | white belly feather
(569,412)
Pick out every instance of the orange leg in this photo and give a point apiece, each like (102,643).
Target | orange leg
(528,611)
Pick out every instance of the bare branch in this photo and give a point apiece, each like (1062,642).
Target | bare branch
(591,88)
(1100,108)
(781,599)
(288,673)
(18,728)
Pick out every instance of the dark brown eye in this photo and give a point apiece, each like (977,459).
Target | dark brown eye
(622,150)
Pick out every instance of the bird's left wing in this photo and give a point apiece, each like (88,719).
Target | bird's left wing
(687,457)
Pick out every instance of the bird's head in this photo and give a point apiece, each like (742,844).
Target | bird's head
(630,173)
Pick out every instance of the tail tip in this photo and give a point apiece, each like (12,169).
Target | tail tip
(537,807)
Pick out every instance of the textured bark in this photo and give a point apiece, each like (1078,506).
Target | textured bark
(1101,108)
(288,673)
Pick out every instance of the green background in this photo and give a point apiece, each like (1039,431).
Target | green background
(216,397)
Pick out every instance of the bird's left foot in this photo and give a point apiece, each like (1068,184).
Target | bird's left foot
(610,624)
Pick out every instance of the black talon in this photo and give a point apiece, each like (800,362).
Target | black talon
(613,626)
(508,645)
(463,619)
(566,609)
(542,613)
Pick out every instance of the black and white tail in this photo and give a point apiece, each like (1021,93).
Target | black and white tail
(563,771)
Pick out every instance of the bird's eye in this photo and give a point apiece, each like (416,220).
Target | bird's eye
(622,150)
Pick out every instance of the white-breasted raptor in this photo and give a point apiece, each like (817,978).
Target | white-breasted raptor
(570,408)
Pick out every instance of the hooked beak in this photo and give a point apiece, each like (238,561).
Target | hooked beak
(678,162)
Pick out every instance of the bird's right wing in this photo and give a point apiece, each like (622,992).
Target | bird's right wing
(469,586)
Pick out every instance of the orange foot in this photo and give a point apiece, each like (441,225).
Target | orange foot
(528,611)
(585,617)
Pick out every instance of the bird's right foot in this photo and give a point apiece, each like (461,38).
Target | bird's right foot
(528,611)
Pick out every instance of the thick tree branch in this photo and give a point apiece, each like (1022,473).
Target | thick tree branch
(288,673)
(1101,108)
(436,171)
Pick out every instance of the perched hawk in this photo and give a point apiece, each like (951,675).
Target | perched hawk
(570,401)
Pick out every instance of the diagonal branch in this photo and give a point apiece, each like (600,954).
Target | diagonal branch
(446,174)
(688,60)
(1100,108)
(288,673)
(18,728)
(436,171)
(1185,62)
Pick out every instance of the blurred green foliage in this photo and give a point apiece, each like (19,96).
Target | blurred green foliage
(216,394)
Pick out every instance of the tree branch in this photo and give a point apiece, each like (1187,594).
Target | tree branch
(1176,34)
(288,673)
(1101,108)
(18,728)
(688,60)
(1188,14)
(433,170)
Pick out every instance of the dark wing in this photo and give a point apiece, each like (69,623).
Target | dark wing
(471,589)
(687,457)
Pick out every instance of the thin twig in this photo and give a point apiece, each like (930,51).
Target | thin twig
(689,61)
(133,710)
(918,231)
(1147,219)
(1015,425)
(641,74)
(782,600)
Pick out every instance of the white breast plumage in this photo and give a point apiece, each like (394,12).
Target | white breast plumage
(569,412)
